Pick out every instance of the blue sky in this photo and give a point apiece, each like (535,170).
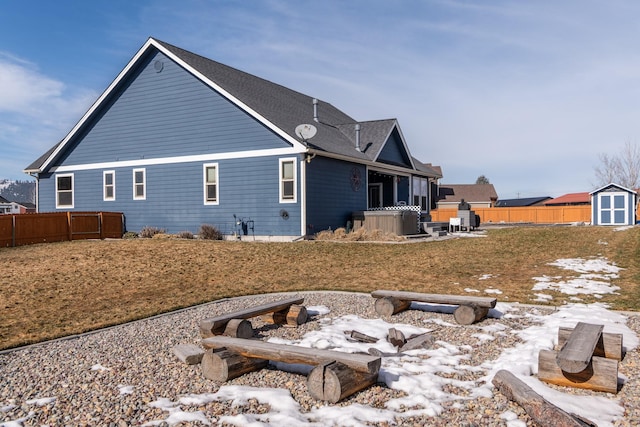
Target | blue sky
(528,94)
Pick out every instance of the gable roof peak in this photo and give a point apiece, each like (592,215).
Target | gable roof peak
(277,107)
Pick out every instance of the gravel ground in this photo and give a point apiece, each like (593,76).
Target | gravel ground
(140,354)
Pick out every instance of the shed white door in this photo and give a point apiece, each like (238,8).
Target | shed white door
(613,208)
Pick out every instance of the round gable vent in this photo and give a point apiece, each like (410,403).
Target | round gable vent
(158,66)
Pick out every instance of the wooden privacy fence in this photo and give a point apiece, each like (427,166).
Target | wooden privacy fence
(26,229)
(529,214)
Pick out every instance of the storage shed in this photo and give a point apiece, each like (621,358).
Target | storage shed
(613,205)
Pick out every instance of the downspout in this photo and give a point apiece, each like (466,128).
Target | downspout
(303,198)
(37,195)
(357,128)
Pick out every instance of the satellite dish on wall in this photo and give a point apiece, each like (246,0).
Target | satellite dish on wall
(306,132)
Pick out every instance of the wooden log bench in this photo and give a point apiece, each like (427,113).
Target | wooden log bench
(286,311)
(470,309)
(576,364)
(336,375)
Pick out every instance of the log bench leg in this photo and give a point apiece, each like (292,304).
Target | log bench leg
(469,314)
(293,316)
(238,328)
(387,306)
(222,365)
(333,381)
(600,375)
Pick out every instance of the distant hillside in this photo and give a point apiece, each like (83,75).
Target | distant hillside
(18,191)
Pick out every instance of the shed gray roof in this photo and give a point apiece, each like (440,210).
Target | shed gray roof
(284,108)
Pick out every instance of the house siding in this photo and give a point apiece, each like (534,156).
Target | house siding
(163,120)
(393,151)
(175,197)
(165,114)
(152,119)
(331,199)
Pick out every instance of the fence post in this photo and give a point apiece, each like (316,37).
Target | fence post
(69,230)
(13,231)
(100,224)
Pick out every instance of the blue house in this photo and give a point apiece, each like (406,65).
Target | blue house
(178,140)
(613,204)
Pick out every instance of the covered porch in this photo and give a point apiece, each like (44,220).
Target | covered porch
(397,202)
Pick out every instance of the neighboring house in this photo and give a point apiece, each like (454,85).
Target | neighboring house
(28,207)
(178,140)
(522,202)
(613,204)
(477,195)
(7,207)
(570,199)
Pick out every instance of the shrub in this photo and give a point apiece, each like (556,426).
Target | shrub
(185,235)
(130,235)
(209,232)
(148,232)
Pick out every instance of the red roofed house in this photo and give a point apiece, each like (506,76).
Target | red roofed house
(570,199)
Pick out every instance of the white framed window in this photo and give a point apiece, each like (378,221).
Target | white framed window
(64,190)
(139,184)
(109,186)
(288,173)
(211,187)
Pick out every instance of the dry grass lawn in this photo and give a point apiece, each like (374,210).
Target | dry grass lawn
(58,289)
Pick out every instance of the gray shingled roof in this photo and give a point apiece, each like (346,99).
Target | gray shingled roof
(37,164)
(282,106)
(286,109)
(524,201)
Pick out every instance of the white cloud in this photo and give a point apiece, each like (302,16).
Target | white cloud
(525,93)
(24,89)
(36,111)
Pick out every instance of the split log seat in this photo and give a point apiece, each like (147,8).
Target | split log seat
(336,375)
(588,358)
(470,309)
(286,311)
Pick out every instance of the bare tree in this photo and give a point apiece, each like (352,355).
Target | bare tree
(623,169)
(482,180)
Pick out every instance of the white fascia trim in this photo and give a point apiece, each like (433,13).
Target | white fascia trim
(404,143)
(381,167)
(406,146)
(96,104)
(178,159)
(303,198)
(615,185)
(296,144)
(151,42)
